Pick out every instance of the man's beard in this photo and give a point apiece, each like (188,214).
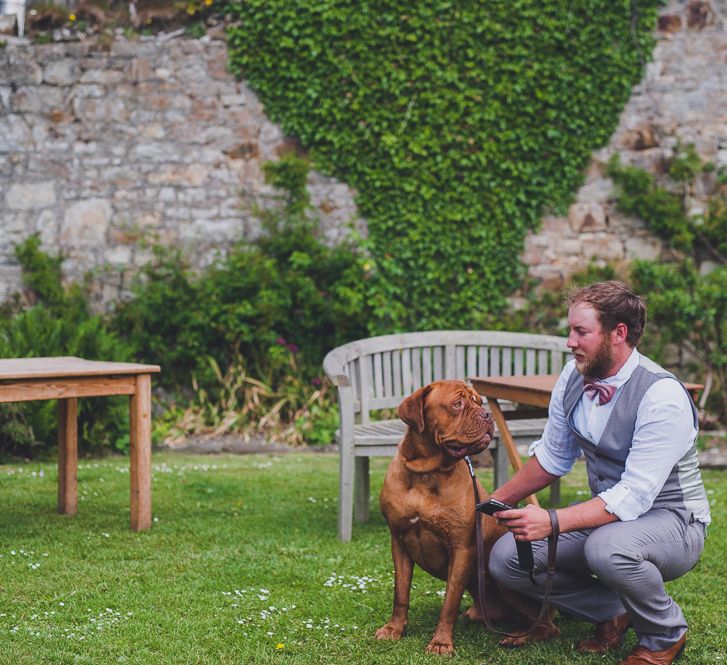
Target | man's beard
(598,366)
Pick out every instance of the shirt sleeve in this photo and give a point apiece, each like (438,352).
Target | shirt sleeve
(664,432)
(557,449)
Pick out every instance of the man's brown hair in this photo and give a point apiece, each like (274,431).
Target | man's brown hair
(614,303)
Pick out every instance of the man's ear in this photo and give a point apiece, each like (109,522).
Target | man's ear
(619,333)
(411,410)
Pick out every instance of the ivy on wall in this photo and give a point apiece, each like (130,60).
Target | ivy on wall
(459,122)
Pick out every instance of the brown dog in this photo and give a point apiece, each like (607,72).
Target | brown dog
(428,502)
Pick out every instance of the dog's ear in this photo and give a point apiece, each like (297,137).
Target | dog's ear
(411,410)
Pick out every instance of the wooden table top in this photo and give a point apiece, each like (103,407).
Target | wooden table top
(67,366)
(540,383)
(533,390)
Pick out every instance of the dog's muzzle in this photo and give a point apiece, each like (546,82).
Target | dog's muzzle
(458,451)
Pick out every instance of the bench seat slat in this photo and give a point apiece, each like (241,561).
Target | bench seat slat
(406,372)
(416,369)
(473,357)
(483,364)
(396,369)
(437,352)
(388,383)
(378,387)
(507,362)
(495,369)
(426,366)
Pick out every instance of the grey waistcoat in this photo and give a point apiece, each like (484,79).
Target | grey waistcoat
(683,491)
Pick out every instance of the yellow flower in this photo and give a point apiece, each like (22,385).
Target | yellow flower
(71,17)
(208,2)
(279,646)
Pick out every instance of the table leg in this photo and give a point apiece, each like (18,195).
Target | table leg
(140,453)
(68,456)
(507,440)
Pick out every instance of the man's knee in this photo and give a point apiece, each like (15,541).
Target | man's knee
(605,555)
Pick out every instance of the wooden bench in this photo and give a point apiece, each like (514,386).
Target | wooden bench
(68,378)
(377,373)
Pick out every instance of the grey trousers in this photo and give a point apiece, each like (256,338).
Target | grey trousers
(618,567)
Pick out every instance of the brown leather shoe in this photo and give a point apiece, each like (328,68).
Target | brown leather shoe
(643,656)
(609,635)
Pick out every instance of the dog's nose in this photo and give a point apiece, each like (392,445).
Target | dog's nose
(485,415)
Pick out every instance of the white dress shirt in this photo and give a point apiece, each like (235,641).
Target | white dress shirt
(664,432)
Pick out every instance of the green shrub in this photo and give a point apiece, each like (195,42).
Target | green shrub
(457,123)
(687,298)
(49,319)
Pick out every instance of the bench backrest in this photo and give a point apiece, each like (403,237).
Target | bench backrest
(381,371)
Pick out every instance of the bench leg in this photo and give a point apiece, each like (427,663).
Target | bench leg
(362,489)
(501,466)
(140,453)
(68,456)
(345,493)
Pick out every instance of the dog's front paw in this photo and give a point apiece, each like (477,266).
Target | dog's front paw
(390,631)
(547,630)
(473,614)
(440,647)
(493,614)
(514,642)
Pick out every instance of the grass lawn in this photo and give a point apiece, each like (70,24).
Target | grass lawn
(243,565)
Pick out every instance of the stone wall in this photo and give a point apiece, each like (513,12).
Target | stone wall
(683,97)
(104,146)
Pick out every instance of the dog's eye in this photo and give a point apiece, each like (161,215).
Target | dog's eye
(457,404)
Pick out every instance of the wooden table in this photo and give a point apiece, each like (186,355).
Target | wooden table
(530,391)
(68,378)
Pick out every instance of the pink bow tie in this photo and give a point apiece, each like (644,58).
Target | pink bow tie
(604,391)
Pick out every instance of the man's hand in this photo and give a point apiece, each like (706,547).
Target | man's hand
(529,523)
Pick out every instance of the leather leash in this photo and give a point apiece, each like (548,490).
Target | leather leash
(550,572)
